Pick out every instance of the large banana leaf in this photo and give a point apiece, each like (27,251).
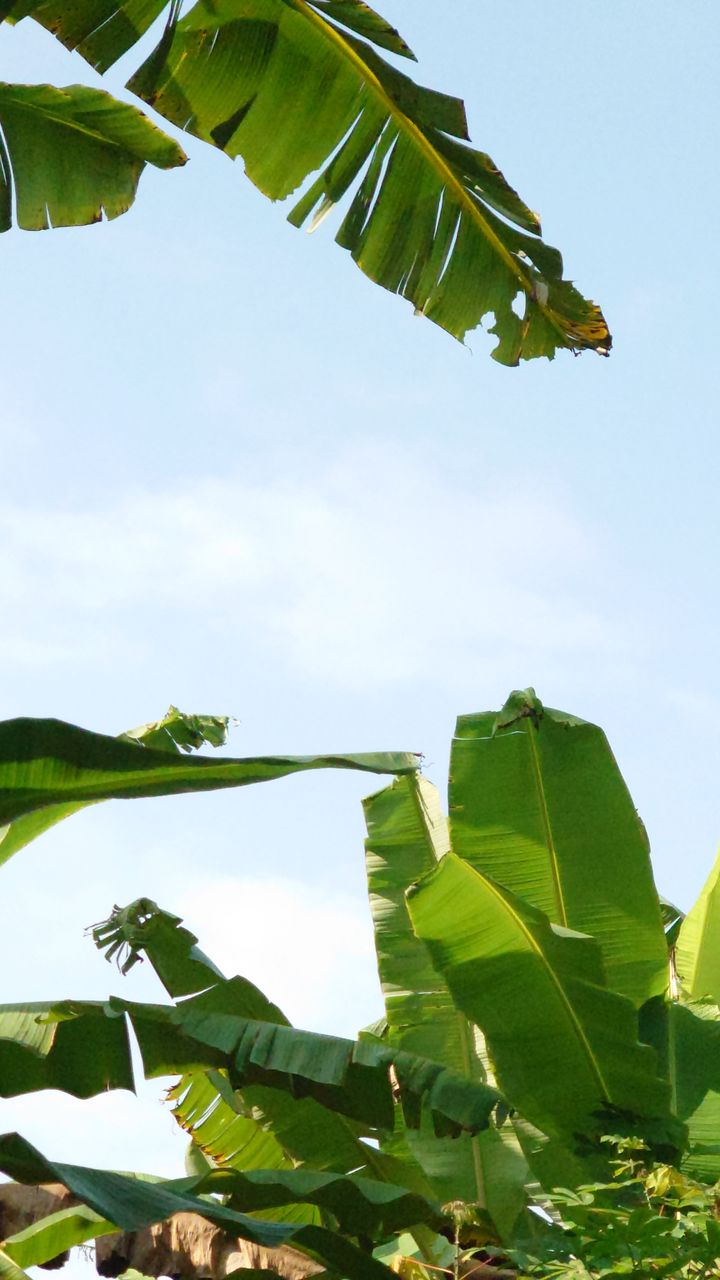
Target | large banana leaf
(49,763)
(687,1039)
(131,1203)
(72,1046)
(352,1077)
(357,1205)
(71,156)
(697,954)
(358,1079)
(537,802)
(565,1048)
(407,835)
(289,86)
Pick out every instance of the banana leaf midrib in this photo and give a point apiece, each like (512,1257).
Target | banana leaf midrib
(547,827)
(436,161)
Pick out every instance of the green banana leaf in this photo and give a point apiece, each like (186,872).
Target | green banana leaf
(352,1077)
(537,802)
(82,1048)
(289,86)
(176,732)
(70,156)
(172,950)
(9,1270)
(407,835)
(51,1236)
(697,954)
(50,763)
(132,1203)
(564,1047)
(262,1127)
(687,1040)
(72,1046)
(103,30)
(358,1205)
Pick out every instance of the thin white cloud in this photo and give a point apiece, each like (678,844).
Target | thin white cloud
(375,569)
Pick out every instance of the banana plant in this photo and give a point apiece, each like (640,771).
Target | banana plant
(295,88)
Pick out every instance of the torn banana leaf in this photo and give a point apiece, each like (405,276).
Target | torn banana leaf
(289,86)
(103,30)
(70,156)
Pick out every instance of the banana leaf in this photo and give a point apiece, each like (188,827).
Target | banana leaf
(9,1270)
(564,1047)
(52,1236)
(407,835)
(687,1040)
(351,1077)
(72,156)
(289,86)
(132,1203)
(176,732)
(103,30)
(537,802)
(50,763)
(72,1046)
(697,954)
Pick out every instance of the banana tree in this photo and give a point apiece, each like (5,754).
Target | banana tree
(297,87)
(524,941)
(538,995)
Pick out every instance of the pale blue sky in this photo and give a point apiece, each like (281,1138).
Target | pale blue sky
(239,477)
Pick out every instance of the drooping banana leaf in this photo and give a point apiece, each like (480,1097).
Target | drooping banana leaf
(72,1046)
(351,1077)
(564,1047)
(262,1127)
(407,835)
(132,1203)
(537,802)
(50,763)
(172,950)
(289,86)
(176,732)
(697,955)
(70,156)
